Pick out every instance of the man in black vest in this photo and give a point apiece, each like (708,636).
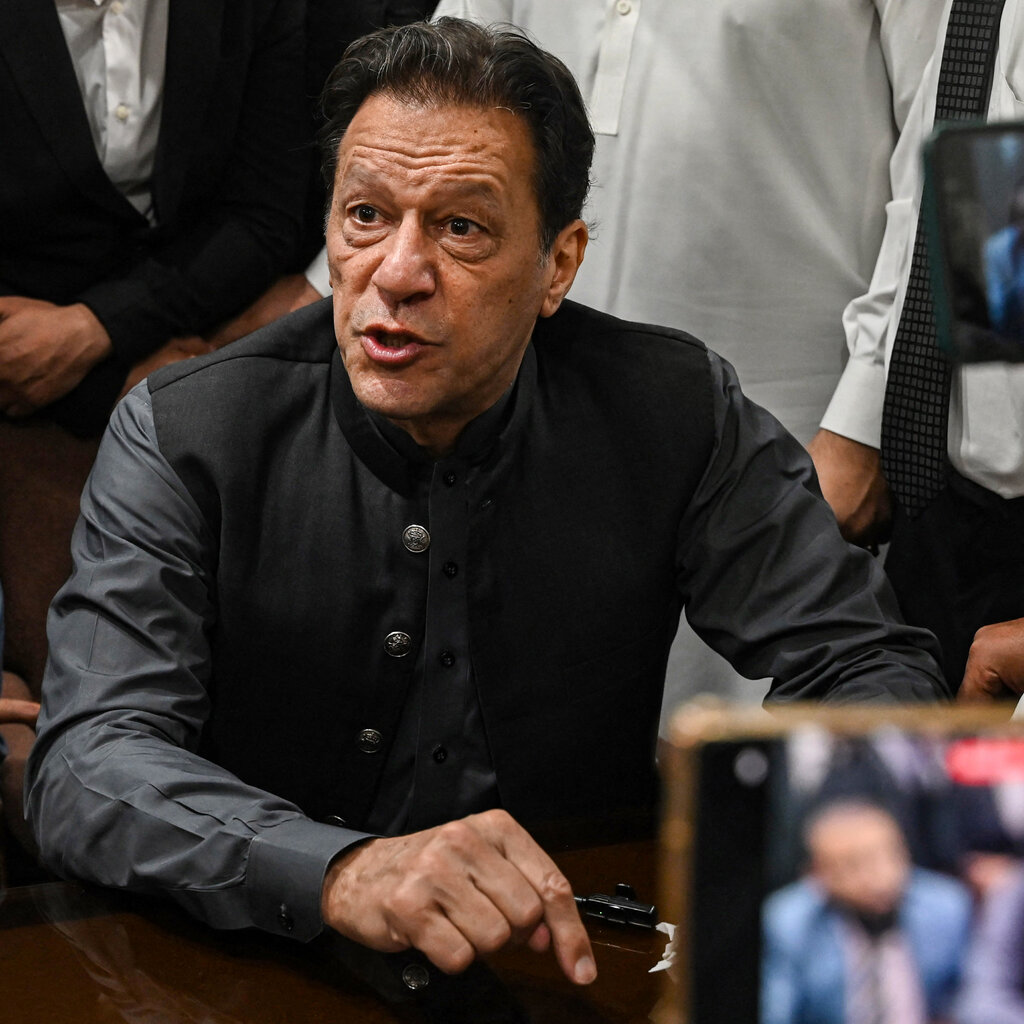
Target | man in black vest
(409,565)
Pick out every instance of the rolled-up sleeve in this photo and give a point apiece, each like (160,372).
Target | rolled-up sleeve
(116,791)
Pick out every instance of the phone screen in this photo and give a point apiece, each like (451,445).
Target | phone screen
(974,214)
(816,853)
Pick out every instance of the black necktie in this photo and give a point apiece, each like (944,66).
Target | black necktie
(916,409)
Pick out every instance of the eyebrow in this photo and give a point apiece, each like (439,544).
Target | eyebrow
(358,177)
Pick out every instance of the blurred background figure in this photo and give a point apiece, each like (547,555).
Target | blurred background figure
(762,133)
(865,937)
(993,985)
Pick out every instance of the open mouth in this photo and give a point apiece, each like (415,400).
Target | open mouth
(391,347)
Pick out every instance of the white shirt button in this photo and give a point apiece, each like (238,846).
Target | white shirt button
(623,7)
(116,7)
(121,112)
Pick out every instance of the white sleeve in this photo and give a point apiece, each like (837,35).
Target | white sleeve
(870,321)
(318,274)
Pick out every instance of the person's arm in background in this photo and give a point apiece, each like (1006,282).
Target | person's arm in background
(226,250)
(995,664)
(846,448)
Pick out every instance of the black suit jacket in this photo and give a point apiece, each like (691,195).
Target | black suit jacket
(228,183)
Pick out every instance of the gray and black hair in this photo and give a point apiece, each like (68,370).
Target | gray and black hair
(456,62)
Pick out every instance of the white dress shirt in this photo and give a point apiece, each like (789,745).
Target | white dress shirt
(986,422)
(118,48)
(897,997)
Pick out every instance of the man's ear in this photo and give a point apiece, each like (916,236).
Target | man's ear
(563,261)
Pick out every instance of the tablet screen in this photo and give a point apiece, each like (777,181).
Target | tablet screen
(974,213)
(837,873)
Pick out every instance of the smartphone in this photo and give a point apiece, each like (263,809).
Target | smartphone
(973,207)
(753,849)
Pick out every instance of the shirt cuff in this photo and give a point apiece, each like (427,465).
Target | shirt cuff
(856,407)
(318,274)
(285,874)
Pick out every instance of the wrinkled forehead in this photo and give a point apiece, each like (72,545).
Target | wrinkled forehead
(387,111)
(484,150)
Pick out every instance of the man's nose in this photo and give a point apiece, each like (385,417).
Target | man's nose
(407,268)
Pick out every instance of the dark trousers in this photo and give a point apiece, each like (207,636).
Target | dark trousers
(959,566)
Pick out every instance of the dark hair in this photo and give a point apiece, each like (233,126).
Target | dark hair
(451,61)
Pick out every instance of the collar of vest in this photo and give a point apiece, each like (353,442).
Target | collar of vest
(396,460)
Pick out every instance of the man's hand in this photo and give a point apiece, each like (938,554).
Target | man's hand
(18,709)
(285,295)
(457,891)
(45,351)
(850,474)
(995,664)
(19,712)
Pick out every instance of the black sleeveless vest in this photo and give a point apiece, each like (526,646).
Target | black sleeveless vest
(574,513)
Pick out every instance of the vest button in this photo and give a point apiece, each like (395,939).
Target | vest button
(439,754)
(369,741)
(397,644)
(450,569)
(449,479)
(447,659)
(415,976)
(415,538)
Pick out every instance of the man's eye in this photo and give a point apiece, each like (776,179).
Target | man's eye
(461,226)
(364,213)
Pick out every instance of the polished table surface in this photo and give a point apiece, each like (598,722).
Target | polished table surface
(84,956)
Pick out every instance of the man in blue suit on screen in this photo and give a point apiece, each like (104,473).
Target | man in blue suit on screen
(865,936)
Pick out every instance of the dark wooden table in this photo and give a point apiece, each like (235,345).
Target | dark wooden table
(85,956)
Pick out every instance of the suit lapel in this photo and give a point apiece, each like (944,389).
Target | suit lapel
(193,51)
(33,46)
